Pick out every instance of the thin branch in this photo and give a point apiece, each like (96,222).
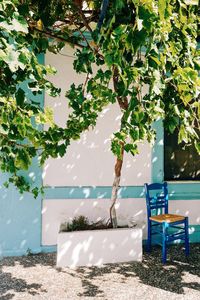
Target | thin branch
(84,19)
(84,37)
(51,35)
(123,101)
(67,55)
(13,142)
(95,49)
(85,83)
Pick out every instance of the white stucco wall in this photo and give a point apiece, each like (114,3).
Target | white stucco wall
(89,161)
(56,211)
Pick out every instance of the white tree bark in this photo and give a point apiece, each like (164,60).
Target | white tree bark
(113,214)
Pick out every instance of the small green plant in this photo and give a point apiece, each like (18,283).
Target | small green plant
(82,223)
(29,252)
(78,223)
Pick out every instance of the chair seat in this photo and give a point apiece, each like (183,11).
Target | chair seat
(169,218)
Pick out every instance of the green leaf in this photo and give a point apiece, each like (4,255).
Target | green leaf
(162,8)
(19,23)
(116,148)
(2,55)
(197,146)
(62,150)
(35,192)
(182,135)
(156,60)
(22,160)
(12,58)
(20,97)
(132,148)
(2,130)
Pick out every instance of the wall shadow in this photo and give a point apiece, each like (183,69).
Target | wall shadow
(169,277)
(177,276)
(10,285)
(31,260)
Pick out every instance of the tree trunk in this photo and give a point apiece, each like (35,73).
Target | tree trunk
(115,187)
(123,103)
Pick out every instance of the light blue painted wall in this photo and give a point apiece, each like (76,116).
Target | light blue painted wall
(177,191)
(20,219)
(20,215)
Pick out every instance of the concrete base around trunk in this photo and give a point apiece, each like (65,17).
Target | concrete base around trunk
(97,247)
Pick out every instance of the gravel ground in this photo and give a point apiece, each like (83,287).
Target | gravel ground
(36,277)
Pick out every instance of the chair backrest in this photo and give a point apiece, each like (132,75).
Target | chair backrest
(156,198)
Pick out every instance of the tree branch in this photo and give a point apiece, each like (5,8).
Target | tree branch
(84,85)
(83,17)
(123,101)
(51,35)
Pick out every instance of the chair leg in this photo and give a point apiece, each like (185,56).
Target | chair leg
(149,236)
(187,246)
(164,243)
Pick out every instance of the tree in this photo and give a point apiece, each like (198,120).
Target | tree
(133,43)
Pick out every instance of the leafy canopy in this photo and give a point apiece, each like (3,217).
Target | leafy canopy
(137,43)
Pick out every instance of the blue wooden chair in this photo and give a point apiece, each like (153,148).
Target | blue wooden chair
(169,227)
